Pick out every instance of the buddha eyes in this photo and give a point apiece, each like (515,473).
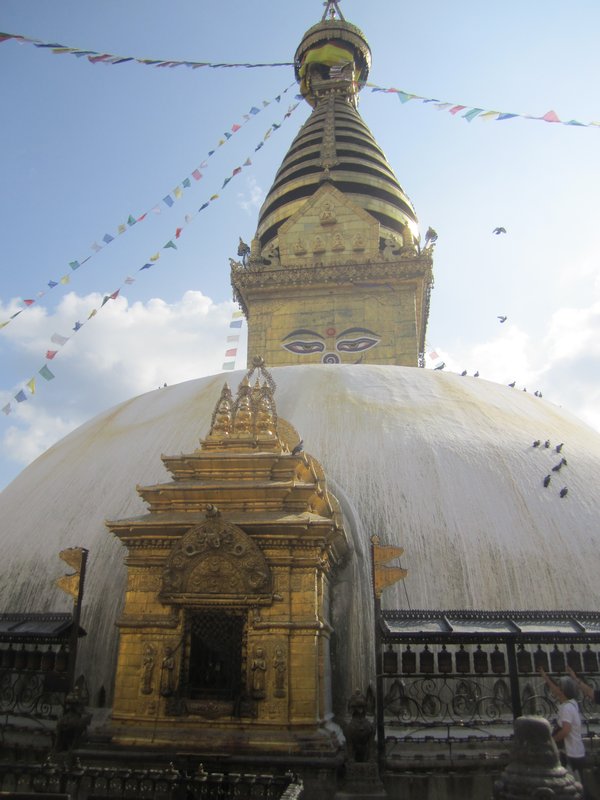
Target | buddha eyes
(304,348)
(356,345)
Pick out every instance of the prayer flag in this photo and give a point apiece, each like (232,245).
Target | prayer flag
(77,326)
(156,209)
(177,192)
(260,144)
(146,266)
(29,302)
(203,206)
(17,314)
(225,182)
(254,110)
(20,396)
(237,314)
(45,373)
(404,97)
(170,243)
(186,183)
(122,228)
(456,109)
(236,323)
(52,284)
(506,116)
(470,115)
(31,385)
(227,135)
(107,238)
(247,162)
(65,279)
(433,355)
(234,338)
(236,171)
(131,220)
(129,280)
(210,152)
(488,115)
(4,324)
(7,409)
(155,257)
(74,265)
(139,219)
(96,247)
(92,313)
(178,232)
(50,354)
(105,300)
(196,174)
(168,200)
(235,128)
(213,197)
(229,365)
(114,295)
(443,106)
(550,116)
(231,352)
(58,339)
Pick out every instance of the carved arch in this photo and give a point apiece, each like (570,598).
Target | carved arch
(215,558)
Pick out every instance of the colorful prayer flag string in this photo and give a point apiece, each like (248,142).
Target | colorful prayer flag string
(94,57)
(236,321)
(478,113)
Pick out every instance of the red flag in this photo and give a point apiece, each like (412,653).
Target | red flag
(29,302)
(456,109)
(231,352)
(178,232)
(551,116)
(114,295)
(50,354)
(235,127)
(236,171)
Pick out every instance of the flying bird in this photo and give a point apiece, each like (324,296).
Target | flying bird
(546,481)
(537,443)
(499,230)
(298,448)
(502,318)
(563,491)
(441,366)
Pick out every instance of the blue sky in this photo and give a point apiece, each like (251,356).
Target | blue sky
(83,146)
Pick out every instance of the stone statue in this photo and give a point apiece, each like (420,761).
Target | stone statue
(360,730)
(243,251)
(147,669)
(534,769)
(72,725)
(259,669)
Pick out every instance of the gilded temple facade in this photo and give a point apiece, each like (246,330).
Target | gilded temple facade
(224,636)
(336,272)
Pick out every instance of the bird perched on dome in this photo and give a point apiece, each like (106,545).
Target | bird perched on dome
(499,230)
(441,366)
(298,448)
(563,491)
(547,481)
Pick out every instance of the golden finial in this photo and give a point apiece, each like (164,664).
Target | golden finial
(331,8)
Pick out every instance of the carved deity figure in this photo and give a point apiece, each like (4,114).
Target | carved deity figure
(299,247)
(318,245)
(147,669)
(338,242)
(358,243)
(259,670)
(280,668)
(167,675)
(391,247)
(327,216)
(271,256)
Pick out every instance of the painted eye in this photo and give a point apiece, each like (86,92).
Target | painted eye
(356,345)
(304,348)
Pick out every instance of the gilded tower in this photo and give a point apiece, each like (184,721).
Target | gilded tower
(336,272)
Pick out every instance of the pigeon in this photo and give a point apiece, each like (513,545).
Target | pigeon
(441,366)
(463,373)
(476,374)
(547,443)
(546,481)
(499,230)
(512,385)
(537,393)
(563,491)
(502,318)
(557,467)
(559,447)
(537,443)
(298,448)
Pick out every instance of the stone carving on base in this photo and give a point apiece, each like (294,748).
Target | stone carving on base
(259,671)
(167,675)
(279,668)
(534,769)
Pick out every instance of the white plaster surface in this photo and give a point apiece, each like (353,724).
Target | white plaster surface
(440,464)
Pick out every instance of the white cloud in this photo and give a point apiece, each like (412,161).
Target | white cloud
(124,351)
(251,200)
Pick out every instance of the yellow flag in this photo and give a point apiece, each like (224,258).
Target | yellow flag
(73,556)
(177,192)
(69,584)
(31,385)
(65,279)
(155,257)
(384,553)
(386,576)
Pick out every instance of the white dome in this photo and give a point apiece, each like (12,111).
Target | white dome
(440,464)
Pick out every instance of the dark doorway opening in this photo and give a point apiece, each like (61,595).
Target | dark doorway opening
(215,661)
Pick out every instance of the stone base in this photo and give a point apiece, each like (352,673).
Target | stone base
(361,782)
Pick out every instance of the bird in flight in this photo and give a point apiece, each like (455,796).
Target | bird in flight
(502,318)
(499,230)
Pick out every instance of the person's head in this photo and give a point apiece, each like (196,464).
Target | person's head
(568,687)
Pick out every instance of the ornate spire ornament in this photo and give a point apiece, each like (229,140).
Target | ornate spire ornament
(332,8)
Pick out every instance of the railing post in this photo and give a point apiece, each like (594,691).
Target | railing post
(513,675)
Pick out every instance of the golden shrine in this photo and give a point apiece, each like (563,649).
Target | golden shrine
(224,636)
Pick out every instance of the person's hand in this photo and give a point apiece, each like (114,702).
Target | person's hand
(572,673)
